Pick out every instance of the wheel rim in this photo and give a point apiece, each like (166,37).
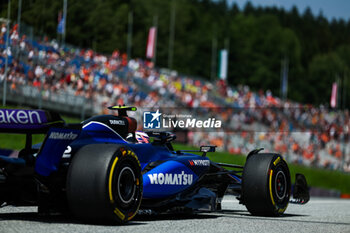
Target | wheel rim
(280,185)
(126,185)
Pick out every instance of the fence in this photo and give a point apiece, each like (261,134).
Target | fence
(62,102)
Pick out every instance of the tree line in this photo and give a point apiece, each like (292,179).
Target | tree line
(318,50)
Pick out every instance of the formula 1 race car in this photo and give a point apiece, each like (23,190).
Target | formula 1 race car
(98,171)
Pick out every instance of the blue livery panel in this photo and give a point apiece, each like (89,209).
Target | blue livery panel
(100,132)
(175,174)
(52,150)
(147,153)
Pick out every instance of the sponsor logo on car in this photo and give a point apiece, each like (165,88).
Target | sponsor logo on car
(171,179)
(63,136)
(20,117)
(199,162)
(117,122)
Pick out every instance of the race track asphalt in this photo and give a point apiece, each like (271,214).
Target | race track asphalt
(319,215)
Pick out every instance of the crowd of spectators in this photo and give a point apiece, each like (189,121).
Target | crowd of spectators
(74,71)
(310,135)
(305,134)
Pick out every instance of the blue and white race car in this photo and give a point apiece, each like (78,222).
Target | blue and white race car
(105,170)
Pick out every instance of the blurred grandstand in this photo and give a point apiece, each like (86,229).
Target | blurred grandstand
(83,83)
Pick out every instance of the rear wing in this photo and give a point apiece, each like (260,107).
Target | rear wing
(20,121)
(28,121)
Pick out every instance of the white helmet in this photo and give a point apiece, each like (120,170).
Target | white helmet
(140,137)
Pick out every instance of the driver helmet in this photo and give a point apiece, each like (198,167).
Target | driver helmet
(140,137)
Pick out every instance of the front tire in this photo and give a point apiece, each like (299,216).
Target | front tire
(104,183)
(266,185)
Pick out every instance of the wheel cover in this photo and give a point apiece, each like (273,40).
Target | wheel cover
(280,185)
(126,185)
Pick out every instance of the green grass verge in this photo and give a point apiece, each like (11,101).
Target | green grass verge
(322,178)
(17,141)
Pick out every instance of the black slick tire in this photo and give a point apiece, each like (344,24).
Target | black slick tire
(266,184)
(104,183)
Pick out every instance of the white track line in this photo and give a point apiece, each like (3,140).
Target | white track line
(318,201)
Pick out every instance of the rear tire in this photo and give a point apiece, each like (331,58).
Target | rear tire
(104,183)
(266,185)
